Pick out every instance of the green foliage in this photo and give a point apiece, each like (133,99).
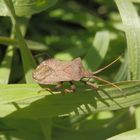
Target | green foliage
(133,134)
(98,31)
(132,31)
(26,7)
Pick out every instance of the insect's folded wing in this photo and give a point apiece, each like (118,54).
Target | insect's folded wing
(62,65)
(55,77)
(57,65)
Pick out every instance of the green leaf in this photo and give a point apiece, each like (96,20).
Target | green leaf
(20,129)
(5,66)
(73,45)
(71,53)
(37,46)
(137,117)
(27,58)
(7,41)
(46,125)
(33,45)
(27,7)
(131,24)
(70,12)
(129,135)
(123,71)
(25,97)
(18,92)
(97,51)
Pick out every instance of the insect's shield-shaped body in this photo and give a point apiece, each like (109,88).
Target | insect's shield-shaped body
(53,71)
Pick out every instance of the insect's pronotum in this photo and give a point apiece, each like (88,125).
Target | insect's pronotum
(53,71)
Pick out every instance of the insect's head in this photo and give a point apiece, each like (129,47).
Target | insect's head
(41,72)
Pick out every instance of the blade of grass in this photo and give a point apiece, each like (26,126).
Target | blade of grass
(71,13)
(123,71)
(73,45)
(131,23)
(19,92)
(129,135)
(6,66)
(33,45)
(82,102)
(7,61)
(7,41)
(71,53)
(137,117)
(27,59)
(46,125)
(20,129)
(97,51)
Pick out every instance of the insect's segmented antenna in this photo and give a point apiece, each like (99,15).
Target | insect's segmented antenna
(105,81)
(107,66)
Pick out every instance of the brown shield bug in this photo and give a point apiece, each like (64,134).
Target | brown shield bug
(53,71)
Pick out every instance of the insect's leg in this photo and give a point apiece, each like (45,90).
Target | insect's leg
(45,89)
(105,81)
(73,86)
(86,80)
(71,89)
(92,85)
(58,86)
